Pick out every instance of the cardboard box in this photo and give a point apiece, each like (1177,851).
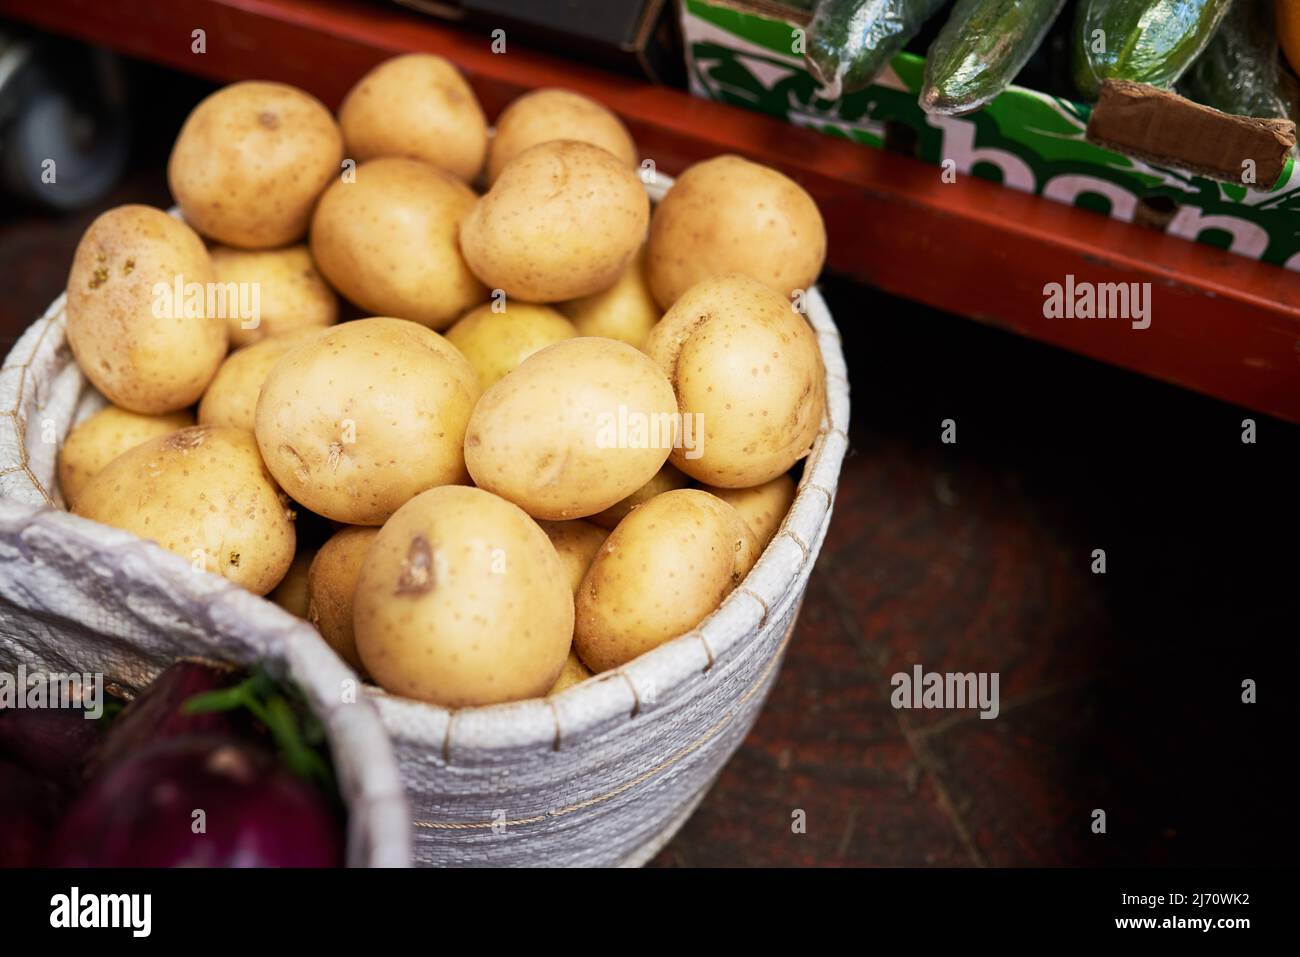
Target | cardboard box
(742,52)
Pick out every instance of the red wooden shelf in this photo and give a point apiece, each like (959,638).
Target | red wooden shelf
(1221,324)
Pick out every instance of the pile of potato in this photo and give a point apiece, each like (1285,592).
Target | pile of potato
(508,512)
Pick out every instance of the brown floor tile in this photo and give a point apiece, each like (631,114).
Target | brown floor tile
(940,566)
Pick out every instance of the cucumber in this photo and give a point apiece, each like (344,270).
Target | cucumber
(1148,41)
(1238,72)
(851,41)
(979,51)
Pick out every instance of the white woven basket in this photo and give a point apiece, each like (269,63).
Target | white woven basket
(602,774)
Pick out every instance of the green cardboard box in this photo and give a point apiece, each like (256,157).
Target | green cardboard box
(744,54)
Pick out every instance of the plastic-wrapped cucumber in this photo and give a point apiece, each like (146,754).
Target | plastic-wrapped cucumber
(981,48)
(1148,41)
(1238,72)
(851,41)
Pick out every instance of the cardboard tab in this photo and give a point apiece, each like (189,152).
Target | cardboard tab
(1162,127)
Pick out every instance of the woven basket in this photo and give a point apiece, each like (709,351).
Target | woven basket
(602,774)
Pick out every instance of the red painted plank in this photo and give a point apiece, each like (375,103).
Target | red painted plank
(1221,324)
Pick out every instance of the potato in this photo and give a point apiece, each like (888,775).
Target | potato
(250,161)
(574,672)
(291,294)
(625,311)
(146,349)
(763,507)
(665,480)
(96,441)
(231,399)
(388,242)
(365,416)
(748,378)
(562,220)
(204,494)
(418,106)
(729,215)
(576,543)
(496,342)
(545,115)
(463,601)
(577,427)
(666,567)
(291,593)
(331,585)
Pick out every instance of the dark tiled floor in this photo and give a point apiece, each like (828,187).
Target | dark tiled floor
(1118,692)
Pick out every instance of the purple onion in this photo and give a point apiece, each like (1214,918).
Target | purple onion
(52,742)
(28,808)
(199,802)
(156,712)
